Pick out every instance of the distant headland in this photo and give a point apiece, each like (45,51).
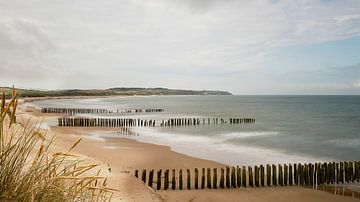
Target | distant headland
(116,91)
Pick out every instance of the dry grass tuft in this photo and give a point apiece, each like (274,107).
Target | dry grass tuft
(28,172)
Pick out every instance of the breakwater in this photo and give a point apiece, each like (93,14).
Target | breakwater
(298,174)
(132,122)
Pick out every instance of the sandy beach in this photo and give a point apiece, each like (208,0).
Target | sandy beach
(120,156)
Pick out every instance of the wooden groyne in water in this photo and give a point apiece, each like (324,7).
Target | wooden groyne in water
(104,122)
(204,121)
(98,111)
(307,175)
(128,122)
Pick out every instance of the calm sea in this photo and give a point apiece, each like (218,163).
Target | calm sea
(287,128)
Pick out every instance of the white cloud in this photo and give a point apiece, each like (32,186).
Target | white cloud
(118,40)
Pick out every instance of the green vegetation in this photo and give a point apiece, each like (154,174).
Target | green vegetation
(112,92)
(30,172)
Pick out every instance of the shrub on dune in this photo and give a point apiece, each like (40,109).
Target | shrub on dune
(30,172)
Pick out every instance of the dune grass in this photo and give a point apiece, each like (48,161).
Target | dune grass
(30,172)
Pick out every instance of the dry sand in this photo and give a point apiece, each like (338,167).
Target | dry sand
(123,155)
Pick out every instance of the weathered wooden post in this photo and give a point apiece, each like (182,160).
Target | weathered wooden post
(151,177)
(296,179)
(238,176)
(286,174)
(337,173)
(291,182)
(227,177)
(203,178)
(274,176)
(256,170)
(306,174)
(262,175)
(137,173)
(143,176)
(222,178)
(357,171)
(196,178)
(341,172)
(173,180)
(311,174)
(301,173)
(208,178)
(268,175)
(251,177)
(244,176)
(281,180)
(332,173)
(158,182)
(180,179)
(188,179)
(166,179)
(215,179)
(233,178)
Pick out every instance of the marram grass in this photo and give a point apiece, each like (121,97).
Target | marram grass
(30,172)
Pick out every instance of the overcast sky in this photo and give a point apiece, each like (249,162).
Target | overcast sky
(245,47)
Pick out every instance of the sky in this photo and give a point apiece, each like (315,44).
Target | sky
(244,47)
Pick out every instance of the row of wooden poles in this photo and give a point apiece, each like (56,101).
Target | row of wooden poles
(127,122)
(96,111)
(104,122)
(198,121)
(258,176)
(124,131)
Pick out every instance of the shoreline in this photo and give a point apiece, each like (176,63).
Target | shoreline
(123,155)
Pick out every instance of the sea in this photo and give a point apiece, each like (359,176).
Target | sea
(288,129)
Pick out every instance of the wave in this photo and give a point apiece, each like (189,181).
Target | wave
(217,149)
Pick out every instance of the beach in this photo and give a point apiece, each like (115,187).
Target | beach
(121,156)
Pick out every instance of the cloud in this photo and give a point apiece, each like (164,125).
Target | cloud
(113,42)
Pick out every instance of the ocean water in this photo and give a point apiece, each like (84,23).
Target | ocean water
(287,128)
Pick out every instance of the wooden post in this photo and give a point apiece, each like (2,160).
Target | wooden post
(208,178)
(196,178)
(233,178)
(262,175)
(306,174)
(215,178)
(158,182)
(301,173)
(281,180)
(286,174)
(180,179)
(137,173)
(166,179)
(296,179)
(256,172)
(222,178)
(268,175)
(274,176)
(312,174)
(291,182)
(244,176)
(251,177)
(143,176)
(357,171)
(151,177)
(238,176)
(341,172)
(227,177)
(338,173)
(173,180)
(203,178)
(188,179)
